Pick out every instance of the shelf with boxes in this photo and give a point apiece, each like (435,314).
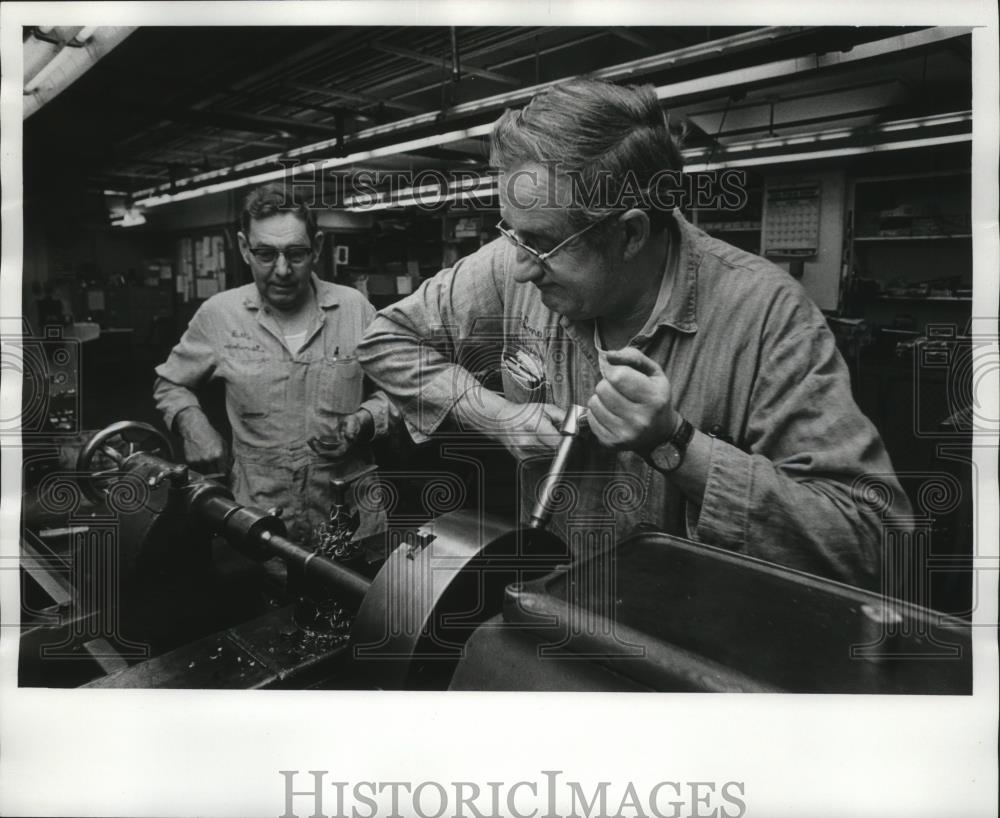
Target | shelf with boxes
(402,249)
(463,232)
(405,248)
(910,250)
(740,226)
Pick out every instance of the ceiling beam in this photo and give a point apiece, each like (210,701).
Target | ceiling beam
(102,177)
(758,40)
(230,120)
(416,56)
(448,155)
(580,41)
(280,144)
(354,96)
(522,36)
(207,89)
(633,37)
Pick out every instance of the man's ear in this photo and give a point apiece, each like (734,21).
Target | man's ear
(318,243)
(637,230)
(244,246)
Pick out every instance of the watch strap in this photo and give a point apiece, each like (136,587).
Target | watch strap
(683,435)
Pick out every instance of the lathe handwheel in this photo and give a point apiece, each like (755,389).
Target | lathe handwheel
(110,447)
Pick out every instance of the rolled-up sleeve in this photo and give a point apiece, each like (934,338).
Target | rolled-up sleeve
(193,360)
(413,349)
(384,416)
(816,487)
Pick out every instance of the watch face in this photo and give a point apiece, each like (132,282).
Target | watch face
(667,457)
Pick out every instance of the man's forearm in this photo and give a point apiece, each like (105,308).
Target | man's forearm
(190,420)
(692,474)
(204,447)
(171,399)
(478,408)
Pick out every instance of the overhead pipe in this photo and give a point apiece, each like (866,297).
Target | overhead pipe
(70,63)
(456,71)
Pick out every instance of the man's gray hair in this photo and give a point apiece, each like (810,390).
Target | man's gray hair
(609,140)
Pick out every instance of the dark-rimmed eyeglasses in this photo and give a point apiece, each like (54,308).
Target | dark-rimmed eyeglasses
(538,255)
(295,256)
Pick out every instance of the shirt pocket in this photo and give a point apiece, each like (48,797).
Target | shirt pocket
(257,396)
(257,387)
(520,386)
(339,386)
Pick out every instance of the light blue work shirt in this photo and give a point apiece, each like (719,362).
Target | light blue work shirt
(276,400)
(745,350)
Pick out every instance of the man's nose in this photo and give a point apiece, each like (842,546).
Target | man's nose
(528,269)
(281,267)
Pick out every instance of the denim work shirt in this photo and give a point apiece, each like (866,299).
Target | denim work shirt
(276,400)
(745,350)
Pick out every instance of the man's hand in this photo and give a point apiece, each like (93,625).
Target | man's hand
(632,407)
(348,431)
(526,429)
(204,449)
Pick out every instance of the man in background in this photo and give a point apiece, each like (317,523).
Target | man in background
(284,347)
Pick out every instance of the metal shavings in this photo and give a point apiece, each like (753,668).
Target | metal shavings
(333,538)
(325,625)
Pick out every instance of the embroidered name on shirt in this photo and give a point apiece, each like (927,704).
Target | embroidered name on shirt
(537,333)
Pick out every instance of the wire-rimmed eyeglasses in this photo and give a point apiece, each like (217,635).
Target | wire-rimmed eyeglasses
(538,255)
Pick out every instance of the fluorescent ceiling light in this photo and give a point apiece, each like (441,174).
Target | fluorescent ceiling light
(419,193)
(622,71)
(132,217)
(954,118)
(831,152)
(451,197)
(312,167)
(783,69)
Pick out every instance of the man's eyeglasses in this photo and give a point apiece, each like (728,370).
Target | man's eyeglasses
(538,255)
(295,256)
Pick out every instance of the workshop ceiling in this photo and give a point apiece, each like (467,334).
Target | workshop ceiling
(170,107)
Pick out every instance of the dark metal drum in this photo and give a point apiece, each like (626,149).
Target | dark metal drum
(433,592)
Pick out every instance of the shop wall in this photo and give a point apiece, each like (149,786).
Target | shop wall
(68,241)
(223,209)
(821,273)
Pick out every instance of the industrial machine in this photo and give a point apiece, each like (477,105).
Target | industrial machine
(128,593)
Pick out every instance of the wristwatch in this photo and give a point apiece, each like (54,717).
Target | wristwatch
(668,456)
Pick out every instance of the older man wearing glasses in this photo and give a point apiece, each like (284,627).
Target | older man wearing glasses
(718,405)
(284,346)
